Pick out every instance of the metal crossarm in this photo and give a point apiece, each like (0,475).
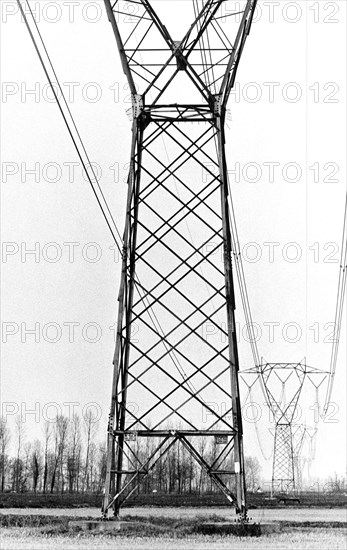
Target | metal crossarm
(282,384)
(176,363)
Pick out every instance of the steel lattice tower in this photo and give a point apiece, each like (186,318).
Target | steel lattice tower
(283,472)
(282,384)
(172,379)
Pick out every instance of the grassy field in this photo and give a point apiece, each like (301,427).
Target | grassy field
(174,530)
(301,539)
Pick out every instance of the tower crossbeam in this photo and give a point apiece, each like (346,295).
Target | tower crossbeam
(176,364)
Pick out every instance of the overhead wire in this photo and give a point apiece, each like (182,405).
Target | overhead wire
(316,417)
(76,139)
(85,161)
(241,278)
(104,207)
(232,219)
(233,228)
(204,63)
(340,298)
(172,354)
(102,202)
(245,295)
(150,310)
(238,260)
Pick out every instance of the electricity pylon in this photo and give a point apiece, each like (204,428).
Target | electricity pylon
(282,384)
(176,363)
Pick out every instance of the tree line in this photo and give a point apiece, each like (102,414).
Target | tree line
(69,458)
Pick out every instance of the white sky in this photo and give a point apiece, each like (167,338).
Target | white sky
(307,57)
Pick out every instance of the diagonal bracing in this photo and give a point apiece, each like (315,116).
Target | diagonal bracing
(176,364)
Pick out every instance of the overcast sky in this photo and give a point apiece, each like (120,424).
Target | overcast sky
(285,147)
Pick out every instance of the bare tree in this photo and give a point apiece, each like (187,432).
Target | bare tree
(93,451)
(18,463)
(252,473)
(90,429)
(172,468)
(74,453)
(47,436)
(36,463)
(26,467)
(60,432)
(161,473)
(202,448)
(212,455)
(4,460)
(191,472)
(102,465)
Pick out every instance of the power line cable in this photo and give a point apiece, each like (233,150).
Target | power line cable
(77,137)
(341,290)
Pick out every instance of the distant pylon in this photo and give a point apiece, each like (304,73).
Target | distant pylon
(283,472)
(176,380)
(282,384)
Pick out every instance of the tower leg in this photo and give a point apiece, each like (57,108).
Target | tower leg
(230,304)
(117,417)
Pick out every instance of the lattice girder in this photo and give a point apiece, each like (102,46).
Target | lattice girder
(205,50)
(282,385)
(283,475)
(176,364)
